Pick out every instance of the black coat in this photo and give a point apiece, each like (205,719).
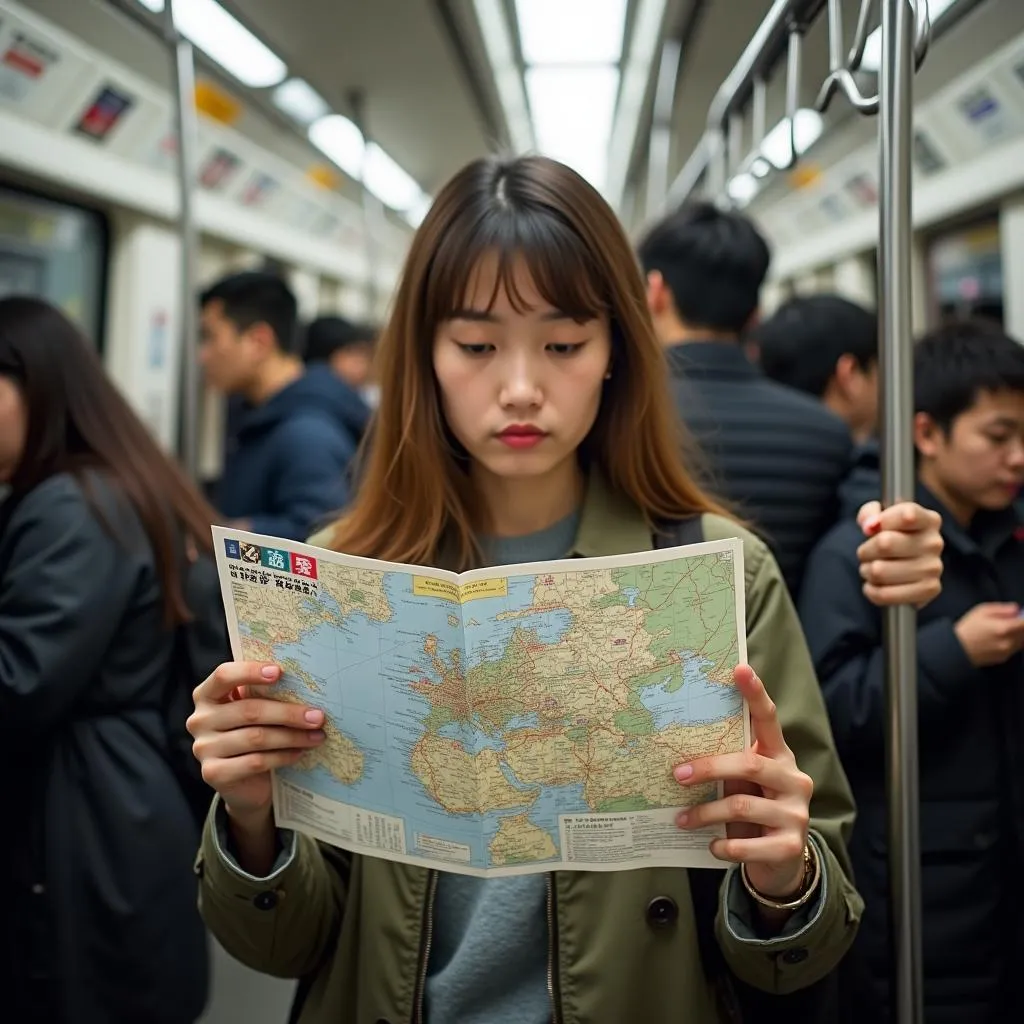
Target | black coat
(778,454)
(100,924)
(971,781)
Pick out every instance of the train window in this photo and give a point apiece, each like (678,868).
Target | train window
(965,274)
(57,251)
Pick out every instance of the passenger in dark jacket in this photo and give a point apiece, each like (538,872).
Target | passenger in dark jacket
(827,347)
(347,348)
(969,432)
(99,924)
(290,460)
(294,438)
(777,454)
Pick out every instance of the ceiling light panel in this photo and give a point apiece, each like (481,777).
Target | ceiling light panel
(572,111)
(743,188)
(300,101)
(777,147)
(340,140)
(225,41)
(571,31)
(494,28)
(389,182)
(417,212)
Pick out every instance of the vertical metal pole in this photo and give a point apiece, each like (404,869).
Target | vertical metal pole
(373,213)
(718,167)
(794,74)
(183,63)
(759,115)
(660,146)
(894,265)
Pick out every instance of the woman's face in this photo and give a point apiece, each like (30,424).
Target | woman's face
(521,390)
(13,425)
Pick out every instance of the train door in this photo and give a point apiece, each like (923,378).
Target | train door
(57,251)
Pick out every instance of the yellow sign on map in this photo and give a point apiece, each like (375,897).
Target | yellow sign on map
(427,586)
(484,588)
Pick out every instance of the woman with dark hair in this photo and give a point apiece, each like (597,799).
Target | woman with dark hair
(524,417)
(99,924)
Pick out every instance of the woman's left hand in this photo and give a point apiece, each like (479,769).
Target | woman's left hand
(766,807)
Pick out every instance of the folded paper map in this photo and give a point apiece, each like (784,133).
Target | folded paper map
(499,721)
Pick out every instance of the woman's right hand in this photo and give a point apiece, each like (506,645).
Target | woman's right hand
(240,735)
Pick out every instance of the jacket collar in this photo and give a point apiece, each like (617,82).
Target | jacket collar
(610,524)
(986,535)
(707,360)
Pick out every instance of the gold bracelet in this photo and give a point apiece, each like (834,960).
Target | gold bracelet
(809,883)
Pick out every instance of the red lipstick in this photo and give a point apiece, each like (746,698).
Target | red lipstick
(521,435)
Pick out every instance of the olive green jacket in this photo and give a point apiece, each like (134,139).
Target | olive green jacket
(623,944)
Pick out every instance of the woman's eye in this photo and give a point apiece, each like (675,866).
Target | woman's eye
(476,349)
(566,348)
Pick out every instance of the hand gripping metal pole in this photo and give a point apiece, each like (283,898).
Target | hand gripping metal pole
(896,360)
(187,131)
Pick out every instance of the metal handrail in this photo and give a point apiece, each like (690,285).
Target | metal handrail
(182,57)
(905,32)
(747,78)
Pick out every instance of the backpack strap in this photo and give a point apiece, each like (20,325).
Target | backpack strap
(679,532)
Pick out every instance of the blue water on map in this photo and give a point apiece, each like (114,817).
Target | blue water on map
(697,702)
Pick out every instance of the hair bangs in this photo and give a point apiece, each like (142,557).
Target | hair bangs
(556,260)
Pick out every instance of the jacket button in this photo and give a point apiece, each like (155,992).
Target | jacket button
(662,912)
(265,900)
(794,956)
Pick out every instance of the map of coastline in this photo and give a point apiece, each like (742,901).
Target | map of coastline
(522,718)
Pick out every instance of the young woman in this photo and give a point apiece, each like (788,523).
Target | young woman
(523,416)
(99,923)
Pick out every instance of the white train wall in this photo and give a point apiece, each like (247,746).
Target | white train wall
(122,163)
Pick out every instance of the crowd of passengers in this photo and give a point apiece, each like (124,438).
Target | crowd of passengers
(521,301)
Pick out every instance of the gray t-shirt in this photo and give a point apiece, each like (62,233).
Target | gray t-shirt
(489,957)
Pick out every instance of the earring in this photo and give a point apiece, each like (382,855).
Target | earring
(608,375)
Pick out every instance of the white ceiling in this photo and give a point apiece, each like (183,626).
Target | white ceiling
(430,98)
(420,104)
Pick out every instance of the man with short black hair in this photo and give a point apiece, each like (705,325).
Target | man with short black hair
(347,347)
(777,454)
(826,346)
(969,441)
(298,429)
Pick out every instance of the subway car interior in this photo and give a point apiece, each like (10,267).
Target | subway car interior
(320,132)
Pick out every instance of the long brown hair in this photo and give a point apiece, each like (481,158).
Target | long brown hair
(414,486)
(78,421)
